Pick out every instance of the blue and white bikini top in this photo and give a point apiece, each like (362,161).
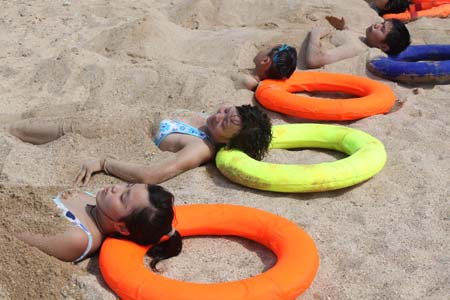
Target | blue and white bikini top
(167,127)
(72,218)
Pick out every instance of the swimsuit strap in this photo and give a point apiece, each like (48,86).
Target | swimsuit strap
(72,218)
(90,194)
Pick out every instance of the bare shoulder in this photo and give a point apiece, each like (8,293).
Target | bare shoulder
(196,153)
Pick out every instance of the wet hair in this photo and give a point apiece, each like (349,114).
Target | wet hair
(395,7)
(284,62)
(149,224)
(398,38)
(255,134)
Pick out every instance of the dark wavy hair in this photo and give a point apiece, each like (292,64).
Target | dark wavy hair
(255,134)
(398,38)
(395,7)
(148,225)
(284,62)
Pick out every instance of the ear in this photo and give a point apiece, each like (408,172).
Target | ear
(121,228)
(266,61)
(384,47)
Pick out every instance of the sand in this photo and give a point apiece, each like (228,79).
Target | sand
(386,238)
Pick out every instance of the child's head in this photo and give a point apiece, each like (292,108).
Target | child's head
(276,62)
(392,6)
(148,224)
(245,128)
(255,134)
(391,36)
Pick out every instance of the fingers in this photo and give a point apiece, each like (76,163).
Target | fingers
(80,176)
(87,177)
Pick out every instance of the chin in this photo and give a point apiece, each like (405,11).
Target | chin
(208,121)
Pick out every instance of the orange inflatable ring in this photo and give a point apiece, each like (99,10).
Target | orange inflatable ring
(121,261)
(423,8)
(374,97)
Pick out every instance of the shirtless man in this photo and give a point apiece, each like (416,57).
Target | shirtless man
(391,36)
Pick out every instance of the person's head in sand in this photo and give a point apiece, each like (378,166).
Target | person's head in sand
(390,36)
(391,6)
(140,213)
(244,128)
(276,62)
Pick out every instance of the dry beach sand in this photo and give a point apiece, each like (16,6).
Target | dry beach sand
(387,238)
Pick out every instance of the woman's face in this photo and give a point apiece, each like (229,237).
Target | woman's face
(116,202)
(224,124)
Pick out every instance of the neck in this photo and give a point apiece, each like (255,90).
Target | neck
(205,129)
(94,216)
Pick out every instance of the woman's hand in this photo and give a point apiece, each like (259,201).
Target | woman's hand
(337,23)
(88,168)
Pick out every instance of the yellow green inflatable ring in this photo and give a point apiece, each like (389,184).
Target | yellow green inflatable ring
(367,157)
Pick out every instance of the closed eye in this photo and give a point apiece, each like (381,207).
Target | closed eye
(126,194)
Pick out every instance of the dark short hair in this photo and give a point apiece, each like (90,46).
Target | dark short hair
(284,62)
(395,7)
(398,38)
(255,134)
(149,224)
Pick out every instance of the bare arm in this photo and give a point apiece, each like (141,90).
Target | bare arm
(187,158)
(245,81)
(317,57)
(66,246)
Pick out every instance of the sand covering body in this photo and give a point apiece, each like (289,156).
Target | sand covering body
(121,261)
(423,8)
(373,97)
(367,157)
(417,64)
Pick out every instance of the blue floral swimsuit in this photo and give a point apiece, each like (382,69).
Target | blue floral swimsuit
(167,127)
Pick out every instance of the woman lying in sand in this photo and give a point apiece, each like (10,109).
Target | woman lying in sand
(137,212)
(194,143)
(275,62)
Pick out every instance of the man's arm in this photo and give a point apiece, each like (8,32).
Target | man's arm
(187,158)
(317,57)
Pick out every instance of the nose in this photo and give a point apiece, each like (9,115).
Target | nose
(115,188)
